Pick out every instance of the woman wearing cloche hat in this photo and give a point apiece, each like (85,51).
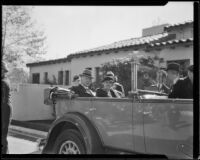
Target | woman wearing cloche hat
(107,90)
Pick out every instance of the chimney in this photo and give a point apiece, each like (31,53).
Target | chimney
(153,30)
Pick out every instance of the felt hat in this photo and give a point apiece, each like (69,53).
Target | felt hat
(109,77)
(174,67)
(87,73)
(110,73)
(75,78)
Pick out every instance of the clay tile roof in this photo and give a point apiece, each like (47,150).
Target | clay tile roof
(52,61)
(125,43)
(172,42)
(178,24)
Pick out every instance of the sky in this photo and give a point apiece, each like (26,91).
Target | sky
(70,29)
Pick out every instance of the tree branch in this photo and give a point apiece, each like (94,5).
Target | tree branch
(17,41)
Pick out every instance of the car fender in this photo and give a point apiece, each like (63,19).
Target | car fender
(77,121)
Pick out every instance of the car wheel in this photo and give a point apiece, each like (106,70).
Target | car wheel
(69,142)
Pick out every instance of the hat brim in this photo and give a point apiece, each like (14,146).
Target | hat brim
(86,76)
(75,80)
(172,69)
(108,79)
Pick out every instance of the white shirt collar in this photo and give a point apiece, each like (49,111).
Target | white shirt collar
(84,86)
(109,94)
(175,80)
(89,90)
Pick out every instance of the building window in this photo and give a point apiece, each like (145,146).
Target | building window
(60,77)
(97,69)
(45,77)
(183,66)
(36,78)
(67,77)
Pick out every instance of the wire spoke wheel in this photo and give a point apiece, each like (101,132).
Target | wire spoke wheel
(69,147)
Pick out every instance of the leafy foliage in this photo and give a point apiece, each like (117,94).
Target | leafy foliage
(20,38)
(122,68)
(18,75)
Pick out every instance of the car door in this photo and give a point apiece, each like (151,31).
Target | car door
(113,119)
(168,127)
(138,127)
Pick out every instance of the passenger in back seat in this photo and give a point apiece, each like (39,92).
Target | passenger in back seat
(83,90)
(108,90)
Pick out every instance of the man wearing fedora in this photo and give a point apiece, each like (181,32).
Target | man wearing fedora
(83,90)
(108,90)
(6,108)
(179,89)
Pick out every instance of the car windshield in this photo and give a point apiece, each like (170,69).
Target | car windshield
(152,78)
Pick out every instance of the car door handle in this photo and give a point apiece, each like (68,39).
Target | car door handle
(92,109)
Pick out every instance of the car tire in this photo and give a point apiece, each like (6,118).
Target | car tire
(69,141)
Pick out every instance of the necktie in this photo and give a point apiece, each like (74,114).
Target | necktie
(89,91)
(109,94)
(172,88)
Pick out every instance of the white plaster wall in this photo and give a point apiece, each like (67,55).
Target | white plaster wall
(153,30)
(179,53)
(28,103)
(52,69)
(79,64)
(183,33)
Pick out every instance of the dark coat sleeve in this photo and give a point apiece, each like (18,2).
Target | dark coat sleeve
(101,93)
(175,93)
(5,92)
(188,88)
(81,91)
(6,108)
(180,90)
(73,88)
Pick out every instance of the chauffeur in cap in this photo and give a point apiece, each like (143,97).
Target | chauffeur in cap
(83,89)
(179,89)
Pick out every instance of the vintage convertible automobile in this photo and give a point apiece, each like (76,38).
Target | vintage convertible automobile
(145,122)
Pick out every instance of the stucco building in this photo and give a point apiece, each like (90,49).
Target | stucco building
(171,42)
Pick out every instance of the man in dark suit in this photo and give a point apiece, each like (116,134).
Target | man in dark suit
(6,108)
(83,90)
(188,83)
(179,87)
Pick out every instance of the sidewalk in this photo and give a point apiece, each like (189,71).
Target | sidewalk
(40,125)
(27,132)
(35,129)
